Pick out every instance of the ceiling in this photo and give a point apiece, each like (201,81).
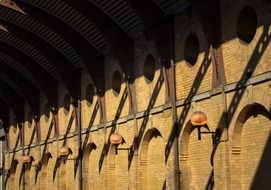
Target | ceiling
(42,42)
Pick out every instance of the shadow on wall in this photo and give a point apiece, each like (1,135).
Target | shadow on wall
(262,177)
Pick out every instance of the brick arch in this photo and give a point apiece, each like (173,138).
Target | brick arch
(185,168)
(153,132)
(112,166)
(12,174)
(144,155)
(65,172)
(27,181)
(45,172)
(249,112)
(245,113)
(86,164)
(189,149)
(47,156)
(113,163)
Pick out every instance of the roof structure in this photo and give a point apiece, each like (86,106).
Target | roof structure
(42,42)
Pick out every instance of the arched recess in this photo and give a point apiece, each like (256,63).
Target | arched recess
(152,161)
(26,182)
(88,177)
(251,153)
(118,166)
(194,158)
(66,165)
(12,175)
(112,167)
(46,175)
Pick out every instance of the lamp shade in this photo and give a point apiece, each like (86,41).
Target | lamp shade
(64,151)
(116,139)
(198,118)
(26,159)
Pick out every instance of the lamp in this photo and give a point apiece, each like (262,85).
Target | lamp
(199,119)
(64,151)
(116,139)
(26,159)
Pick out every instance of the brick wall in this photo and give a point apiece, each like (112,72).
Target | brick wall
(239,161)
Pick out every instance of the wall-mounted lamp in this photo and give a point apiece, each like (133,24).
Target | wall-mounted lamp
(27,161)
(116,139)
(64,152)
(199,120)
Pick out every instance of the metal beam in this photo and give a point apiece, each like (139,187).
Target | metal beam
(30,93)
(12,5)
(120,41)
(155,23)
(47,82)
(63,66)
(15,100)
(92,58)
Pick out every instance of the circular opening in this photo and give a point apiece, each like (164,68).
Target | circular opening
(149,68)
(116,85)
(67,103)
(247,24)
(89,94)
(191,49)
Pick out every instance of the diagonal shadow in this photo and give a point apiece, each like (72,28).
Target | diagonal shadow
(143,126)
(58,160)
(262,178)
(31,140)
(13,156)
(193,91)
(82,147)
(45,147)
(259,50)
(28,151)
(113,128)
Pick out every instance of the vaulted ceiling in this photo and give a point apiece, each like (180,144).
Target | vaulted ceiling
(43,41)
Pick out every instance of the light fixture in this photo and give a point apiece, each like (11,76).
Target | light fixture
(198,118)
(116,139)
(64,151)
(26,159)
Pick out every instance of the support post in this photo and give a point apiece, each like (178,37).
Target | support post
(80,155)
